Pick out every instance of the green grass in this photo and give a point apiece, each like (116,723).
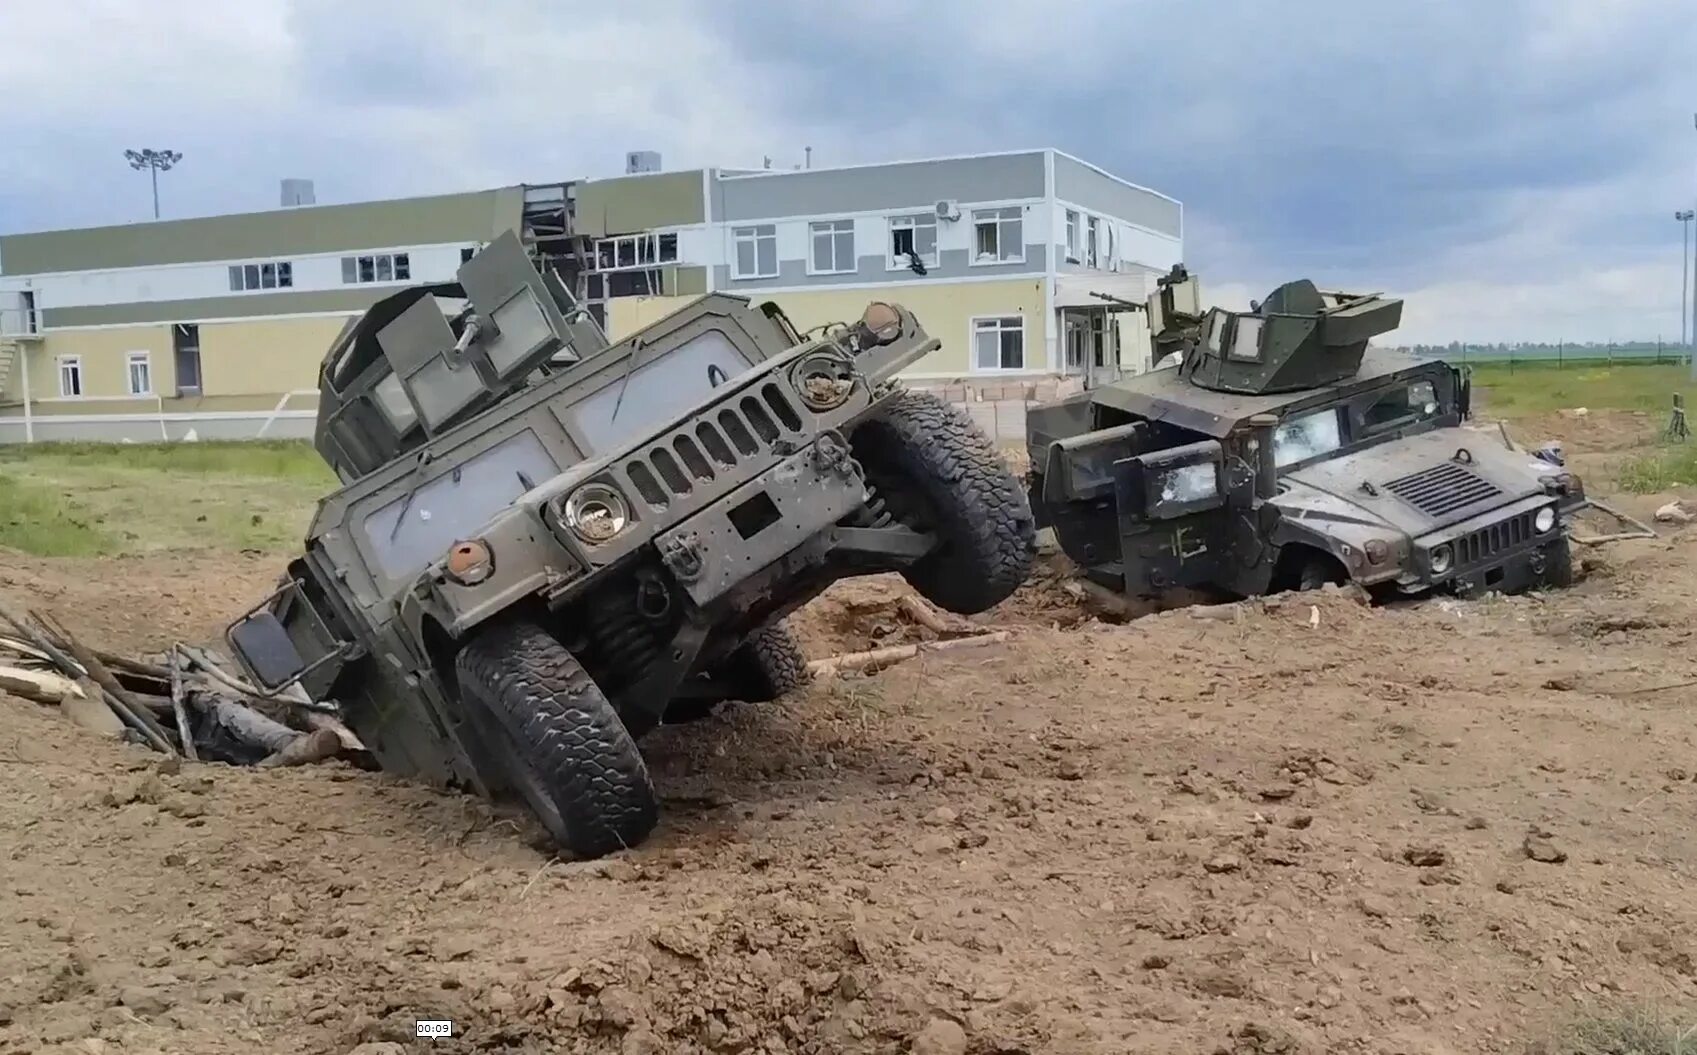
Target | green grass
(87,499)
(1663,469)
(1544,388)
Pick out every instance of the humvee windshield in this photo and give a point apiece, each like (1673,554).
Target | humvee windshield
(641,400)
(1403,405)
(1309,436)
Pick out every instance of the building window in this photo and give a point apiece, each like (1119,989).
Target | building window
(999,343)
(1090,235)
(378,267)
(756,251)
(275,274)
(912,236)
(185,356)
(833,247)
(1112,261)
(1072,235)
(999,236)
(635,250)
(140,369)
(70,376)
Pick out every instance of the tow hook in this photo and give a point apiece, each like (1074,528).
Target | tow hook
(1537,562)
(682,555)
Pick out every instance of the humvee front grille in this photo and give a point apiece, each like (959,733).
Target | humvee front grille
(1478,546)
(1443,489)
(716,442)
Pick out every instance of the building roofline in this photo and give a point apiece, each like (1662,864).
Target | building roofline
(149,221)
(1099,170)
(763,173)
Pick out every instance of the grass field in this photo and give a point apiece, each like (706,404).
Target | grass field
(67,499)
(1543,389)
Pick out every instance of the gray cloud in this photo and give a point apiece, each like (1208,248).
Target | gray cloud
(1493,162)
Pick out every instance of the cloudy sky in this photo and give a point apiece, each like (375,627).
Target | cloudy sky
(1512,167)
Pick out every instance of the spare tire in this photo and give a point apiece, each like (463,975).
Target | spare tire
(938,472)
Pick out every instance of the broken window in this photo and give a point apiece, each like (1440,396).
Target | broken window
(1309,436)
(999,236)
(1402,406)
(917,235)
(1072,235)
(1090,237)
(380,267)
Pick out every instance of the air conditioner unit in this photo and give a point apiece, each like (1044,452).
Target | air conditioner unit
(948,209)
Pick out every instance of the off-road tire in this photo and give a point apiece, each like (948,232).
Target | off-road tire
(1558,571)
(983,517)
(570,756)
(767,665)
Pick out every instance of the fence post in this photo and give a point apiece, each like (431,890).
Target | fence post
(1559,350)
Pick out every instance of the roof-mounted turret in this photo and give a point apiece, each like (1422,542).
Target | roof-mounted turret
(1299,337)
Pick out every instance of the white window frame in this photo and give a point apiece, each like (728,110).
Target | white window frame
(381,263)
(753,234)
(1072,236)
(910,221)
(973,329)
(145,361)
(832,231)
(71,362)
(242,282)
(1092,242)
(1002,217)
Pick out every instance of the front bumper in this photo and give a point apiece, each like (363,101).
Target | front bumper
(1501,551)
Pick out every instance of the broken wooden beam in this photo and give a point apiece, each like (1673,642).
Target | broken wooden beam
(118,698)
(38,686)
(879,658)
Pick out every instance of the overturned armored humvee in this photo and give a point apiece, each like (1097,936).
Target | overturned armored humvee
(546,545)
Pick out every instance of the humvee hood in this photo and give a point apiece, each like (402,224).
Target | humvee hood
(1420,483)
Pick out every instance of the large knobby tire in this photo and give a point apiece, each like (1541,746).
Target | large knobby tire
(768,664)
(568,753)
(933,450)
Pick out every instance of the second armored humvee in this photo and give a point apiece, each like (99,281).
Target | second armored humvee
(546,545)
(1281,452)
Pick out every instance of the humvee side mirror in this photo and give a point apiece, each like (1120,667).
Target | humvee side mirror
(267,651)
(1163,485)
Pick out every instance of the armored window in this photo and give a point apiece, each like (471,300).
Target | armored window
(999,343)
(832,247)
(139,367)
(912,236)
(392,400)
(1072,235)
(1306,437)
(1090,238)
(756,251)
(70,376)
(1404,405)
(1246,340)
(998,236)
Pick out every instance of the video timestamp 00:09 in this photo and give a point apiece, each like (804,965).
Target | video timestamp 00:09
(435,1027)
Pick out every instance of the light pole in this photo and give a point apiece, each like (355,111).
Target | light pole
(155,161)
(1684,217)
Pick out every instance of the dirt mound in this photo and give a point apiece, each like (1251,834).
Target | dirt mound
(1294,825)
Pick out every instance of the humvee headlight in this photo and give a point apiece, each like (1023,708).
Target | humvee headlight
(824,381)
(595,513)
(1544,519)
(880,324)
(470,562)
(1440,559)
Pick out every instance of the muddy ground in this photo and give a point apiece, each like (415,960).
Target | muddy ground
(1294,826)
